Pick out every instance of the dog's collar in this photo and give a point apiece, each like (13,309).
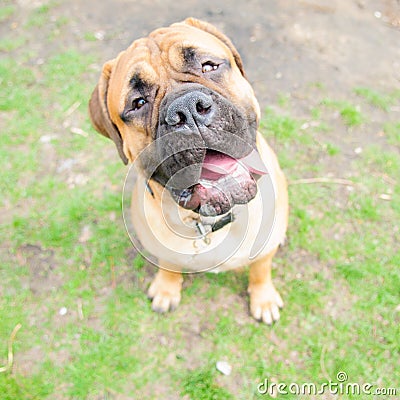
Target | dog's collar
(149,189)
(214,226)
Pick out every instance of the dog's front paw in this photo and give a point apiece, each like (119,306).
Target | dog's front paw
(265,302)
(165,291)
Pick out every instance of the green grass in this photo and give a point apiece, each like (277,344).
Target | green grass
(392,131)
(64,245)
(6,11)
(283,127)
(350,114)
(39,17)
(7,45)
(201,385)
(377,99)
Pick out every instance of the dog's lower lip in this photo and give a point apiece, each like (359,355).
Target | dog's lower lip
(211,198)
(224,182)
(188,199)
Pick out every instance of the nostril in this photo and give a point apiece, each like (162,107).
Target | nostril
(201,109)
(181,118)
(175,118)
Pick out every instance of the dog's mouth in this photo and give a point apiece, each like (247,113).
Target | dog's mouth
(224,181)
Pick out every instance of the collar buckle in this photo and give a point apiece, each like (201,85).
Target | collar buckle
(218,224)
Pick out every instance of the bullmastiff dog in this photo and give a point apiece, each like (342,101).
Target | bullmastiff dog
(178,106)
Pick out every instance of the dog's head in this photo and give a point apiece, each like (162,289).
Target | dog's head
(181,94)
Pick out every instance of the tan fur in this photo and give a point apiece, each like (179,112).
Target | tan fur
(158,57)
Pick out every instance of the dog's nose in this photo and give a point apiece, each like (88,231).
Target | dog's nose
(190,109)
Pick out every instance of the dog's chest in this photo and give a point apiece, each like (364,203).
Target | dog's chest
(185,243)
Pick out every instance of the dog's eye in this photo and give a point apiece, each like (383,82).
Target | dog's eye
(208,67)
(138,103)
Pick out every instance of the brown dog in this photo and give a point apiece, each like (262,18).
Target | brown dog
(209,192)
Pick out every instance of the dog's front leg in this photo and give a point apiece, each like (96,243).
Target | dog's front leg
(265,301)
(165,290)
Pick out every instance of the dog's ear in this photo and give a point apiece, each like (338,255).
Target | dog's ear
(207,27)
(98,111)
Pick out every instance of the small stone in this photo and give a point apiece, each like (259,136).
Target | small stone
(63,311)
(224,367)
(100,35)
(65,165)
(85,235)
(385,196)
(79,131)
(47,138)
(305,126)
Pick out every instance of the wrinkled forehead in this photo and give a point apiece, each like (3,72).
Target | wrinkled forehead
(166,48)
(138,58)
(177,42)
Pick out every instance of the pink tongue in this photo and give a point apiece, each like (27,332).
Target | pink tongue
(216,165)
